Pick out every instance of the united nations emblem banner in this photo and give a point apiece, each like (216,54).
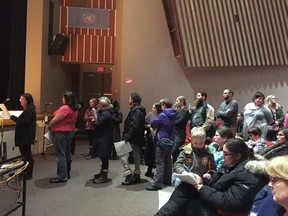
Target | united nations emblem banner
(88,18)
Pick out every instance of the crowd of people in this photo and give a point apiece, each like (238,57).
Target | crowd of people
(237,160)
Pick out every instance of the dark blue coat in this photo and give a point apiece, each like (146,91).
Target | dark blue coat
(103,134)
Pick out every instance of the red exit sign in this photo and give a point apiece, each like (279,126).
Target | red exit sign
(100,69)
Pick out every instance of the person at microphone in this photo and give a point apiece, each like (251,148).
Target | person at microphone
(62,128)
(25,130)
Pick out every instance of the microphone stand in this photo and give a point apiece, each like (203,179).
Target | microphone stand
(2,136)
(44,131)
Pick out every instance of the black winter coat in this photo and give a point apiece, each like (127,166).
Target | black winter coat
(181,120)
(25,130)
(232,189)
(103,135)
(134,125)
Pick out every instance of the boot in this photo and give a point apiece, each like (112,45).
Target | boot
(137,178)
(68,169)
(102,179)
(129,180)
(149,172)
(96,176)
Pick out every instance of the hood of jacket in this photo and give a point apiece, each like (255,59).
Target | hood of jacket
(171,113)
(257,166)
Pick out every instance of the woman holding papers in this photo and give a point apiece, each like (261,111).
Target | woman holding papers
(230,191)
(103,138)
(88,117)
(62,128)
(25,130)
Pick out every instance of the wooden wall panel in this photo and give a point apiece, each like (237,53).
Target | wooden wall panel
(213,33)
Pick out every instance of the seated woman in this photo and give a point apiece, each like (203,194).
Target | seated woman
(216,148)
(230,191)
(281,146)
(273,199)
(256,143)
(194,157)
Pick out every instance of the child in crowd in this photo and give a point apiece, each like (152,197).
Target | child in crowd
(216,148)
(194,157)
(256,143)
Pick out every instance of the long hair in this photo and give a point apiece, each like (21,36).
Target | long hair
(71,100)
(238,146)
(28,97)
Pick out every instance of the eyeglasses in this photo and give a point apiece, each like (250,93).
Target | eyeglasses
(275,179)
(225,154)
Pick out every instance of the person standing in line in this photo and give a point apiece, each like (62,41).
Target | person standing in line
(257,114)
(228,111)
(25,130)
(240,119)
(88,117)
(182,117)
(150,139)
(103,138)
(117,117)
(278,116)
(62,128)
(202,115)
(164,123)
(133,133)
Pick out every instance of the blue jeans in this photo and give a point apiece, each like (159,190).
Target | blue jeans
(137,161)
(62,149)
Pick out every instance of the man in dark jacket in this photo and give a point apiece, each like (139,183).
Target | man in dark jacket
(134,127)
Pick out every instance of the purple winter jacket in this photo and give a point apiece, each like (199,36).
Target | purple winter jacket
(164,123)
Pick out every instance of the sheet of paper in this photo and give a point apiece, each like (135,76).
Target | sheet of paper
(4,113)
(48,136)
(188,178)
(122,148)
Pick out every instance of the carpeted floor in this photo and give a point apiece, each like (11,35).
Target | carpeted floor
(79,196)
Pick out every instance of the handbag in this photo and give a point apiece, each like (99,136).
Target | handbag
(166,143)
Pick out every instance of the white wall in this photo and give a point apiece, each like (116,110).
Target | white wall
(146,56)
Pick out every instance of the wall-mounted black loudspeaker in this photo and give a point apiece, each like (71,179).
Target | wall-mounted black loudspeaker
(59,45)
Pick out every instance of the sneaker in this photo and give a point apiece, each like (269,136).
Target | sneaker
(89,157)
